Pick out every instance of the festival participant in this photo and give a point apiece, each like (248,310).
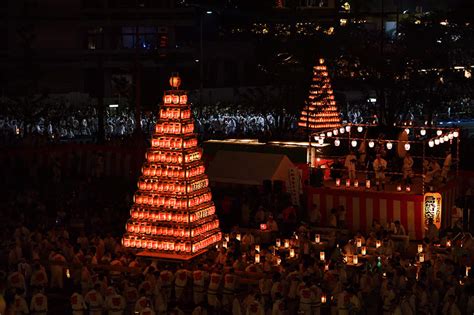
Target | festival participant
(407,168)
(255,307)
(265,287)
(39,303)
(78,304)
(39,278)
(180,282)
(21,307)
(446,166)
(165,281)
(142,302)
(272,225)
(279,306)
(307,298)
(57,262)
(231,281)
(200,278)
(115,304)
(16,280)
(214,288)
(450,307)
(277,287)
(433,172)
(94,300)
(350,165)
(380,165)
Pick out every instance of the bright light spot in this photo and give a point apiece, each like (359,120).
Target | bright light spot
(422,132)
(343,22)
(346,6)
(389,145)
(337,142)
(208,12)
(439,132)
(467,74)
(431,143)
(444,23)
(417,22)
(407,146)
(113,105)
(197,60)
(372,100)
(371,144)
(359,129)
(354,143)
(407,131)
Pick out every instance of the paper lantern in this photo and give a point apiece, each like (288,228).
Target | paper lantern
(287,243)
(378,243)
(323,298)
(448,243)
(439,132)
(277,242)
(422,257)
(278,261)
(354,143)
(423,132)
(257,248)
(175,81)
(263,226)
(367,183)
(348,128)
(468,269)
(446,138)
(360,129)
(338,182)
(450,136)
(420,248)
(292,253)
(389,145)
(407,131)
(441,140)
(455,134)
(363,250)
(355,259)
(183,99)
(337,142)
(335,132)
(322,256)
(399,187)
(436,142)
(317,238)
(356,183)
(238,236)
(341,130)
(329,134)
(257,258)
(371,144)
(408,188)
(407,146)
(358,242)
(431,143)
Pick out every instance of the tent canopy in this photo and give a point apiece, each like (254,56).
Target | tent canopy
(248,168)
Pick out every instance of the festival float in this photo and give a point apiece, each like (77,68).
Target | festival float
(173,215)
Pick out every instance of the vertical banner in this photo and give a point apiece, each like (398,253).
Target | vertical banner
(294,185)
(432,205)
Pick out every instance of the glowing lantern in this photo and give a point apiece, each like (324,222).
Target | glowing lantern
(360,129)
(317,238)
(446,138)
(287,243)
(167,99)
(431,143)
(448,243)
(263,226)
(439,132)
(468,268)
(420,248)
(356,183)
(399,187)
(175,81)
(450,136)
(422,257)
(441,140)
(348,183)
(337,142)
(455,134)
(436,141)
(341,130)
(354,143)
(238,236)
(257,248)
(378,243)
(407,131)
(358,242)
(292,253)
(329,134)
(322,256)
(408,188)
(335,132)
(371,144)
(278,261)
(363,250)
(277,242)
(183,99)
(423,132)
(389,145)
(407,146)
(338,182)
(367,183)
(348,128)
(355,259)
(257,258)
(323,298)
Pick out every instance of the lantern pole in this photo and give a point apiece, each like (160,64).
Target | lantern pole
(423,173)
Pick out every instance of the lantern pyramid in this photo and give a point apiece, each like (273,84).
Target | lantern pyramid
(173,215)
(321,111)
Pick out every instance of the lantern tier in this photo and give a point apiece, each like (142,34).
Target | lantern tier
(173,213)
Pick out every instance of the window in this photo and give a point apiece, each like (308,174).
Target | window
(147,37)
(95,38)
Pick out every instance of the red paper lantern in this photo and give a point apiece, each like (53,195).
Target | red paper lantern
(263,226)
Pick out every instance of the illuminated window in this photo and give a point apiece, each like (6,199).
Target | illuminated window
(147,37)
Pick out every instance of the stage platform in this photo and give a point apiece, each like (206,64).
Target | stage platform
(363,206)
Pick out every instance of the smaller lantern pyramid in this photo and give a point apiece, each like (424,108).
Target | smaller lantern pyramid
(173,215)
(321,111)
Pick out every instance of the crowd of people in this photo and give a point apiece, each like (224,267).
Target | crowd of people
(60,259)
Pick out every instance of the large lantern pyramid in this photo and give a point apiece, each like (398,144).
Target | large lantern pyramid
(321,111)
(173,215)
